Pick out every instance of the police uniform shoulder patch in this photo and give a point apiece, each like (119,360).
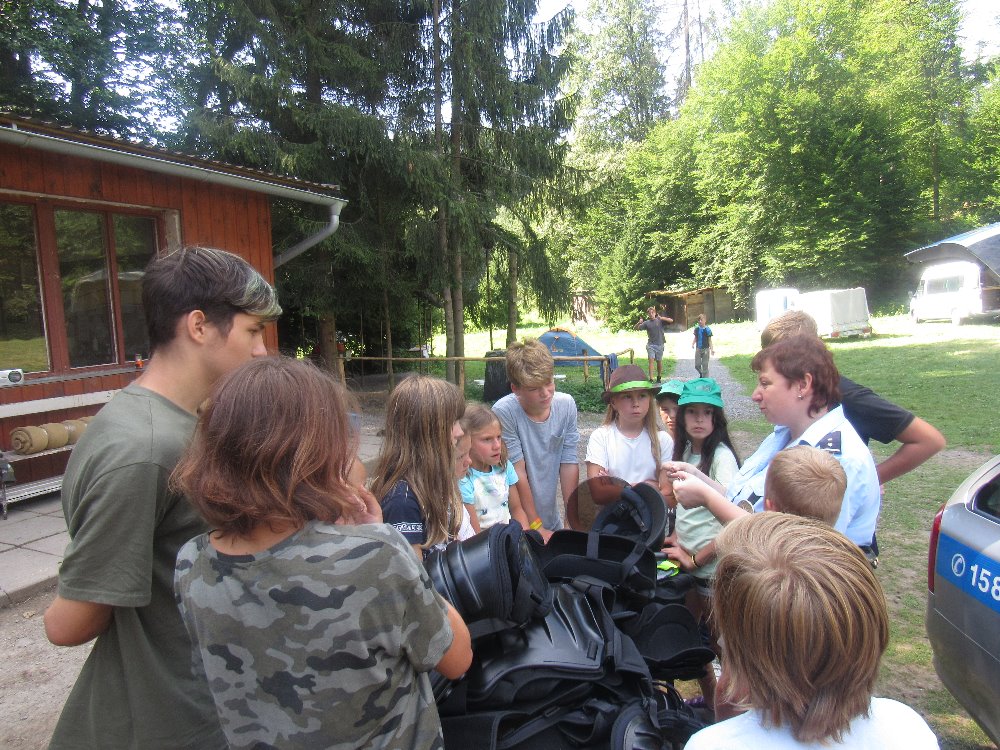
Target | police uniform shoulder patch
(830,442)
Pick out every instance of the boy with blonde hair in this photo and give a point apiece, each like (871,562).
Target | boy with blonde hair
(540,430)
(801,481)
(805,481)
(803,625)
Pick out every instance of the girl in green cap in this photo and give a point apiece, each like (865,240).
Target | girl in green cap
(702,439)
(629,445)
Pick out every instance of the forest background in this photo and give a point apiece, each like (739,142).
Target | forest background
(495,161)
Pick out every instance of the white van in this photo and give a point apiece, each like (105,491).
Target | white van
(953,291)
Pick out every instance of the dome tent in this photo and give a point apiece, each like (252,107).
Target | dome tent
(564,343)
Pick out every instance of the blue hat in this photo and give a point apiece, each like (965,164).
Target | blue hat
(701,391)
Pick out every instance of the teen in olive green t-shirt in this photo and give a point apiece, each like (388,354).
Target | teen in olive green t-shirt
(136,689)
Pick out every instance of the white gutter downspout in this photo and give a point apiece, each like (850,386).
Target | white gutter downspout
(12,135)
(299,248)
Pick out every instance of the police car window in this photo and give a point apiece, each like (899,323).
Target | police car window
(988,499)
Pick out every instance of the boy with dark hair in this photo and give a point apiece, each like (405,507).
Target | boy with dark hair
(205,311)
(539,427)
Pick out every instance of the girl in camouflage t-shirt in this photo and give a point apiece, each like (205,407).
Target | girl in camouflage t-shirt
(313,626)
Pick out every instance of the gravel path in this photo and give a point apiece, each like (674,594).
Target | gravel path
(739,405)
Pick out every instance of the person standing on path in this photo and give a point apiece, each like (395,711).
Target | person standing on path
(702,345)
(654,324)
(205,312)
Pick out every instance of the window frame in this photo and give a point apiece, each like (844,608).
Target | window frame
(50,281)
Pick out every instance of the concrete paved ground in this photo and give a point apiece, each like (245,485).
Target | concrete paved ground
(33,538)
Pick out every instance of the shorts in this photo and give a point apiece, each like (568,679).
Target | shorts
(654,351)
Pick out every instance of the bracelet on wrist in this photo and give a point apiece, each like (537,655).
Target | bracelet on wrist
(694,559)
(536,524)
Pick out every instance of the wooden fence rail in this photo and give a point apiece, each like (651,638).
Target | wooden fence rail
(586,358)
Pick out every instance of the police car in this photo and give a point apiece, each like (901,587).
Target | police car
(963,601)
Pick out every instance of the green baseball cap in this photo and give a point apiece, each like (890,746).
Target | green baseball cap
(673,387)
(701,391)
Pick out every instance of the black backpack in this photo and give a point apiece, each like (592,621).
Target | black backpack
(492,579)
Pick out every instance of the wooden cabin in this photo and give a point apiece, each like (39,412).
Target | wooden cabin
(685,305)
(80,216)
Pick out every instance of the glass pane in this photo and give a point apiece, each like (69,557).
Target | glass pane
(22,330)
(135,245)
(84,275)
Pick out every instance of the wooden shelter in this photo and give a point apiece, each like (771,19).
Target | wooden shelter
(80,216)
(684,306)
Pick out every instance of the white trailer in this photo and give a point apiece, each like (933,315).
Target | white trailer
(770,303)
(838,312)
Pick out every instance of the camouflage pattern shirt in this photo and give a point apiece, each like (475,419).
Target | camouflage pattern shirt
(322,641)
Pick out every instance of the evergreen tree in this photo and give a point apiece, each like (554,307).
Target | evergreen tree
(334,94)
(89,63)
(618,73)
(504,146)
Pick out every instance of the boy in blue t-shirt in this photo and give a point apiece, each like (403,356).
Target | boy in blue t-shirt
(702,345)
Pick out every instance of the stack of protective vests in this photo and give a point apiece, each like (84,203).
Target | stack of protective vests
(576,642)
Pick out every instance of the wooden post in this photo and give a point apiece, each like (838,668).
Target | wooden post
(586,367)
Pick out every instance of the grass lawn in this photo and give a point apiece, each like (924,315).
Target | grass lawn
(29,355)
(949,376)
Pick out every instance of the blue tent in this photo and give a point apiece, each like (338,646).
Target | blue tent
(563,343)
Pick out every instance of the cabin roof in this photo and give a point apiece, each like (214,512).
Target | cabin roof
(980,245)
(27,131)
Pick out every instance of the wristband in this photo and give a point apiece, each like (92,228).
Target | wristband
(536,524)
(694,559)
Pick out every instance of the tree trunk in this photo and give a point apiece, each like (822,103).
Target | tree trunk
(512,299)
(328,355)
(387,316)
(688,62)
(457,274)
(936,176)
(442,221)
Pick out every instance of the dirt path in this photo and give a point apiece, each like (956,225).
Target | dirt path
(737,401)
(35,676)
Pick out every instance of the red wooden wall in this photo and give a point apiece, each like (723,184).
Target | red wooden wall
(210,214)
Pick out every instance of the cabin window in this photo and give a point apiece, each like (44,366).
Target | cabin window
(22,323)
(73,277)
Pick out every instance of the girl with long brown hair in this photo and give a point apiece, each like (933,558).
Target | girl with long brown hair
(414,477)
